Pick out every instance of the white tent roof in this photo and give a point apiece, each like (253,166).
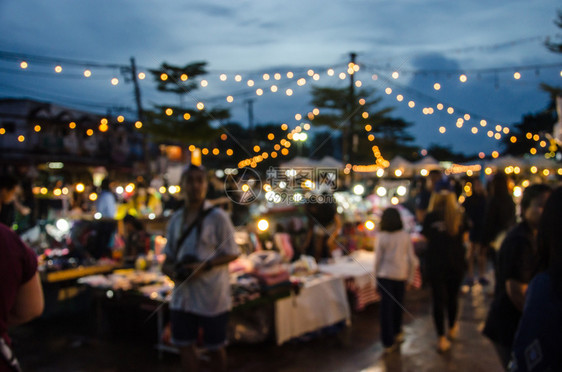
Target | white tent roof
(506,161)
(428,162)
(329,162)
(400,162)
(299,161)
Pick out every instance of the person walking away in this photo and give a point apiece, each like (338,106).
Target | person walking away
(515,268)
(537,340)
(395,264)
(499,217)
(200,244)
(475,210)
(443,230)
(21,295)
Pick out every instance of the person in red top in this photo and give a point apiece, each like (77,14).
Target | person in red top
(21,295)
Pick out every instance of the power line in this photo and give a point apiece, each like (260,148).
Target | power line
(50,75)
(59,97)
(11,56)
(468,71)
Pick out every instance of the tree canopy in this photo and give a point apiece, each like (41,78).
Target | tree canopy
(178,124)
(364,127)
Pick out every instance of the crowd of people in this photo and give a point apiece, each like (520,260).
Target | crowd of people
(525,256)
(482,234)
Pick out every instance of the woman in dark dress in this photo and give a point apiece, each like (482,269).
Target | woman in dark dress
(445,260)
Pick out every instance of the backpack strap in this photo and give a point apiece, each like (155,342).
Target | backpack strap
(197,224)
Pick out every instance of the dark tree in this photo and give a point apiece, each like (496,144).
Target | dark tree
(445,153)
(555,48)
(179,124)
(540,124)
(357,117)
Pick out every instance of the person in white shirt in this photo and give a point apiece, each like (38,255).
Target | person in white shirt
(395,264)
(200,244)
(106,225)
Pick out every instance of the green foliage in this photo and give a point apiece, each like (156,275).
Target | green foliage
(341,111)
(174,82)
(555,48)
(175,129)
(445,153)
(538,123)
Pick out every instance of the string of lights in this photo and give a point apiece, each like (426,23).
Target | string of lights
(261,83)
(463,73)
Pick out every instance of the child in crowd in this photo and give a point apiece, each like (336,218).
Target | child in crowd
(395,264)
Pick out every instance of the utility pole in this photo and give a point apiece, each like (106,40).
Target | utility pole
(352,144)
(140,117)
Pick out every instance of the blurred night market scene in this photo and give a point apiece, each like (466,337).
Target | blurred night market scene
(261,186)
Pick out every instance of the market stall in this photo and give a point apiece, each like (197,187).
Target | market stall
(321,302)
(308,304)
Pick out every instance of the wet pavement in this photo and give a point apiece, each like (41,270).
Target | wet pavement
(71,343)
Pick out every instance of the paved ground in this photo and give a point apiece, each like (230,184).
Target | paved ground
(69,344)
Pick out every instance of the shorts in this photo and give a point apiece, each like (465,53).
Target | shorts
(185,329)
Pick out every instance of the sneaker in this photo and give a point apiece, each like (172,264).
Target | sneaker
(443,345)
(483,281)
(390,349)
(454,332)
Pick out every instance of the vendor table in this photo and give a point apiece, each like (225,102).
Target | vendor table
(61,291)
(358,271)
(321,302)
(78,272)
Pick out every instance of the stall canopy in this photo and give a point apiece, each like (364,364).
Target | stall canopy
(325,162)
(299,161)
(329,162)
(428,163)
(404,165)
(507,161)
